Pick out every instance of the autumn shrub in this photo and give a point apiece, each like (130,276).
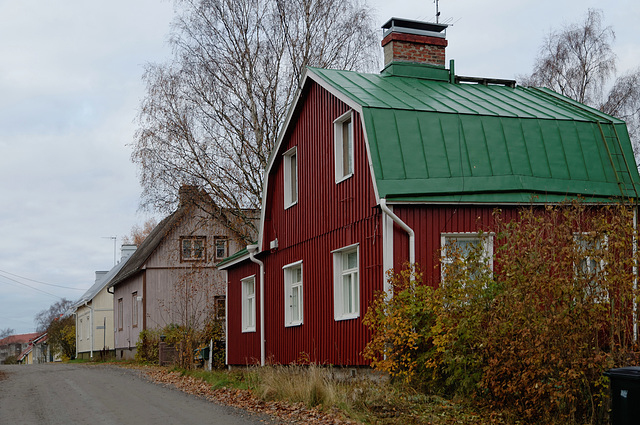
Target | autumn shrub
(11,360)
(185,340)
(147,346)
(534,332)
(401,323)
(61,335)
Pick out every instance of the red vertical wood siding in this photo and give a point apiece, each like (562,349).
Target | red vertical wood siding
(327,216)
(242,348)
(430,221)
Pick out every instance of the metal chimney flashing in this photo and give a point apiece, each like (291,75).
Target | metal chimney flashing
(409,26)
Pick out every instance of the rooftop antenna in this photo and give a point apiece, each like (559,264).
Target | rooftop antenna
(437,11)
(114,238)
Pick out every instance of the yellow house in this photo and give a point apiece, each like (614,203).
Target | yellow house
(94,313)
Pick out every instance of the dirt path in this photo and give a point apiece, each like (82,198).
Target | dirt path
(102,395)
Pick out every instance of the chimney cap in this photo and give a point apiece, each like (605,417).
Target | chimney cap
(409,26)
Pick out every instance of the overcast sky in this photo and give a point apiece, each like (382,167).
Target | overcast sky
(70,86)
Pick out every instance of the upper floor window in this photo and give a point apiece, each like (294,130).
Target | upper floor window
(120,314)
(193,248)
(248,304)
(134,309)
(346,283)
(221,246)
(293,294)
(290,177)
(343,146)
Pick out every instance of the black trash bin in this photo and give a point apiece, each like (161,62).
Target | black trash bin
(625,395)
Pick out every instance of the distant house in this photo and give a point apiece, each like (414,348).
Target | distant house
(94,313)
(171,278)
(373,170)
(13,345)
(37,351)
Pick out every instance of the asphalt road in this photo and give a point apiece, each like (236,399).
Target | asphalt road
(101,395)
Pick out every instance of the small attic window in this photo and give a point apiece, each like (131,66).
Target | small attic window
(290,177)
(193,248)
(343,146)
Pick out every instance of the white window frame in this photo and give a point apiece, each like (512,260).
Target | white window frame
(248,303)
(339,272)
(344,120)
(600,295)
(485,238)
(134,309)
(193,248)
(221,242)
(120,314)
(291,179)
(80,328)
(291,287)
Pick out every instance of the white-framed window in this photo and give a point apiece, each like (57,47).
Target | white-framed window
(293,295)
(290,177)
(346,283)
(120,314)
(590,265)
(193,248)
(80,328)
(343,146)
(134,309)
(249,304)
(221,244)
(461,245)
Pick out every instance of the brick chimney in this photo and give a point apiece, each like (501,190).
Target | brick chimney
(410,41)
(188,194)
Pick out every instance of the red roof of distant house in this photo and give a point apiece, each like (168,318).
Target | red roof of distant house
(20,339)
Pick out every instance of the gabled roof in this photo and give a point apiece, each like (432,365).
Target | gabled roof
(137,260)
(190,197)
(19,339)
(433,140)
(100,284)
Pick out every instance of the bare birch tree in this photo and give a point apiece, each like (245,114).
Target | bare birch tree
(578,61)
(212,114)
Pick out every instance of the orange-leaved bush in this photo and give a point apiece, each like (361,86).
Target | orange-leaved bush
(531,331)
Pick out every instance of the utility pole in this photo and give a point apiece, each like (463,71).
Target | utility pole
(114,238)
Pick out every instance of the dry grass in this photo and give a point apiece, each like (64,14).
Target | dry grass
(311,385)
(361,399)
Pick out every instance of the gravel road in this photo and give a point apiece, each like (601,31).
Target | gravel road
(67,394)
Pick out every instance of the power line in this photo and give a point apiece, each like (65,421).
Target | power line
(31,287)
(37,281)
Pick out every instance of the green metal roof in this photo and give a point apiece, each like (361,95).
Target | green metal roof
(244,252)
(433,140)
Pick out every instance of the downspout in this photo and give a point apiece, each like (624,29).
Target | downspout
(405,227)
(252,250)
(635,272)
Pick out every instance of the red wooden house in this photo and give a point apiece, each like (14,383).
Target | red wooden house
(373,170)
